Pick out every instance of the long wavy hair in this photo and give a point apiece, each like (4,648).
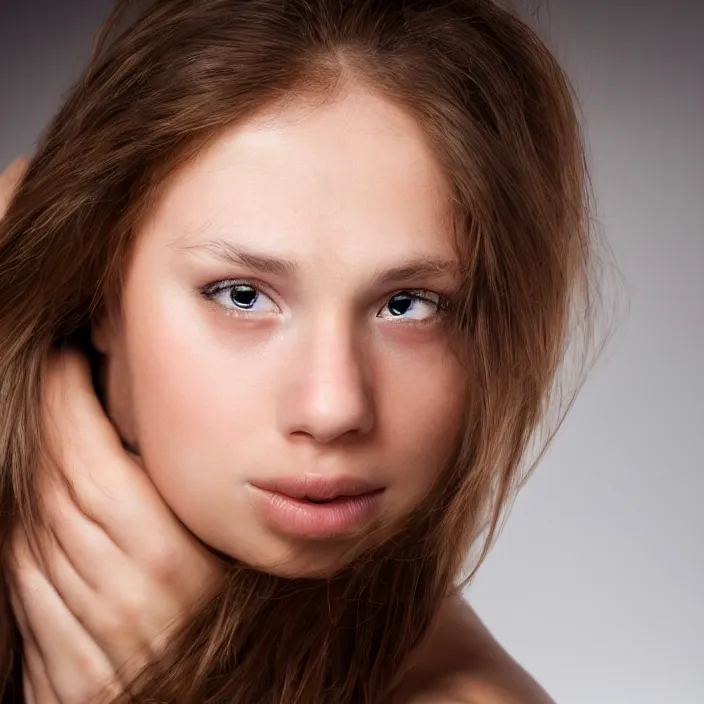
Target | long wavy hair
(500,116)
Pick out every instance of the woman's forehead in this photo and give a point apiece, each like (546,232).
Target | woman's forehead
(360,172)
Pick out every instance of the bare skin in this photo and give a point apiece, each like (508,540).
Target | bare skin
(86,612)
(461,662)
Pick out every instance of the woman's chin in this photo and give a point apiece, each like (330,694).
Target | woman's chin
(316,562)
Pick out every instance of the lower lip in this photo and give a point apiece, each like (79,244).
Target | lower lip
(303,519)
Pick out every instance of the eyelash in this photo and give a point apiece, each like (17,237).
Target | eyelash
(444,304)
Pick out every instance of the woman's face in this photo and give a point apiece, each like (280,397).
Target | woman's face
(280,359)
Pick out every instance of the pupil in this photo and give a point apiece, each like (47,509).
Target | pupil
(243,296)
(405,304)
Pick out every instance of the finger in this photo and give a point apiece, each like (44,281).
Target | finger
(110,488)
(74,664)
(84,447)
(9,180)
(35,678)
(27,688)
(102,588)
(73,414)
(79,551)
(35,681)
(100,528)
(108,611)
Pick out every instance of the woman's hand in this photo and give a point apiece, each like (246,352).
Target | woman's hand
(116,571)
(113,571)
(61,663)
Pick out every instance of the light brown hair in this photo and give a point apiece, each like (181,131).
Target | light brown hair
(500,116)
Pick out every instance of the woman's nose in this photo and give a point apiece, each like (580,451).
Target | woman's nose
(328,392)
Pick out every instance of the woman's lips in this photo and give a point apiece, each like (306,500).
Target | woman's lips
(318,507)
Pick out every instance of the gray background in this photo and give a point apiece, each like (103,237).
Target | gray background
(595,585)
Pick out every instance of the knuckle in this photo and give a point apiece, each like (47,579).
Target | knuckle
(122,619)
(160,561)
(92,497)
(130,610)
(111,624)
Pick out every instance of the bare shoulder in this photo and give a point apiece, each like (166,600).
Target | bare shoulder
(462,663)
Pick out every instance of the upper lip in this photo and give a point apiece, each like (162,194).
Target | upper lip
(318,488)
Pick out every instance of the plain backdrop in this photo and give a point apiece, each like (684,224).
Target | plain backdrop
(595,584)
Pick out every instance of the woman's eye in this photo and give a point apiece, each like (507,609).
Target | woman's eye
(240,297)
(245,298)
(415,305)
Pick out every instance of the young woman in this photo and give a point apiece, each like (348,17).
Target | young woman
(325,257)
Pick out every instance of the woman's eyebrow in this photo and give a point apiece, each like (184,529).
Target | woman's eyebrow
(230,253)
(237,255)
(425,267)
